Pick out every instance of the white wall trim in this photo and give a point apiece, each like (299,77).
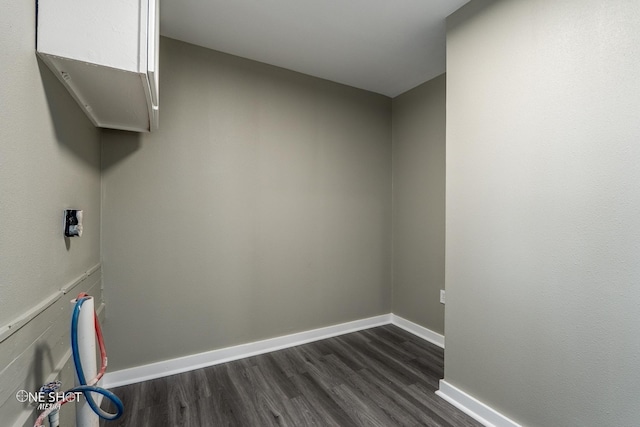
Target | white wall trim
(463,401)
(16,324)
(417,330)
(215,357)
(473,407)
(201,360)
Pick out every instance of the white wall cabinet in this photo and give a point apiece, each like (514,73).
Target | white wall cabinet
(105,52)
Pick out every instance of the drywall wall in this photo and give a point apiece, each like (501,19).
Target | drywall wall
(261,207)
(418,128)
(543,209)
(49,161)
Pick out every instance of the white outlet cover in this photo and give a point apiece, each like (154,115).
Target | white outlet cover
(442,296)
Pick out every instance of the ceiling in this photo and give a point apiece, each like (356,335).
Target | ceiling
(384,46)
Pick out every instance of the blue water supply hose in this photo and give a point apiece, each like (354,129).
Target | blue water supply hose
(87,390)
(85,387)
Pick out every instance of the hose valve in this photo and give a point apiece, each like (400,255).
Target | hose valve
(46,390)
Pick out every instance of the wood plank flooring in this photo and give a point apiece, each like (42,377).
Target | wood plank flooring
(382,376)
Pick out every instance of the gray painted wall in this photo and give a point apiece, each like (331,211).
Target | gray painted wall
(543,209)
(49,161)
(262,207)
(419,203)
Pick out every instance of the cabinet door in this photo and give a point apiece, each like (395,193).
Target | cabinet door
(153,44)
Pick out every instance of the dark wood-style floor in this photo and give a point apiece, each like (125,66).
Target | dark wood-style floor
(378,377)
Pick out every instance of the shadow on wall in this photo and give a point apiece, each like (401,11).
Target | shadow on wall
(42,362)
(73,129)
(121,145)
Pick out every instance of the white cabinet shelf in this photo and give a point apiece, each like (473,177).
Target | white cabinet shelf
(106,54)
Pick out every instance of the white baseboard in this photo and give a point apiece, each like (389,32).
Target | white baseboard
(202,360)
(473,407)
(215,357)
(419,331)
(463,401)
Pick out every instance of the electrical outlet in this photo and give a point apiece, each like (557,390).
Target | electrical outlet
(442,296)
